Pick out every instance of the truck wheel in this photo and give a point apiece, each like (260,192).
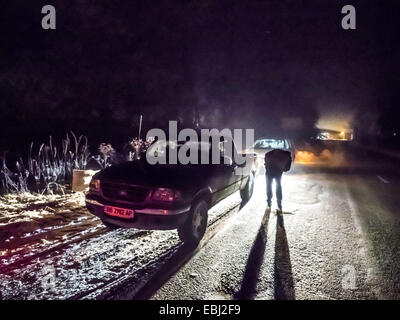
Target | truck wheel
(110,226)
(192,231)
(247,191)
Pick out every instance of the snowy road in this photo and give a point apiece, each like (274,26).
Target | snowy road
(52,248)
(337,239)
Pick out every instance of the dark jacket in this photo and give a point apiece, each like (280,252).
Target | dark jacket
(277,161)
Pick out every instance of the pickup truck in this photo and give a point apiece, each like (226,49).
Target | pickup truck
(137,194)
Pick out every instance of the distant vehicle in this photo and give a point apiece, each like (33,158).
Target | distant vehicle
(263,145)
(165,196)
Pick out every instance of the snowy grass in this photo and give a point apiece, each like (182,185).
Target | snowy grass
(46,168)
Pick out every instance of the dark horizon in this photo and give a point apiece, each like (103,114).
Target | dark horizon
(215,64)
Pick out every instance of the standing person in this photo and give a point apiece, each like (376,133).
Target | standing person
(276,162)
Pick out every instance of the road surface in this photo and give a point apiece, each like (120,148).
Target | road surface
(338,238)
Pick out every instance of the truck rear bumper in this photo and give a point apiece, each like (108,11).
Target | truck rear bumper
(147,219)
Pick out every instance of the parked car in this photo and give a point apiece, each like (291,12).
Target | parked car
(263,145)
(165,196)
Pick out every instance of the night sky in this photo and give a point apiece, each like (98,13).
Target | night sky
(243,64)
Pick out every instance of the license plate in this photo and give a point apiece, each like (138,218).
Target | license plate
(119,212)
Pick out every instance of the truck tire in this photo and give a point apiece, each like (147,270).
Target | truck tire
(193,229)
(247,191)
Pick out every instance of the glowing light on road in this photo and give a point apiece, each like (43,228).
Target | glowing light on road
(305,157)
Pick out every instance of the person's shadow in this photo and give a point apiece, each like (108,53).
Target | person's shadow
(249,283)
(283,276)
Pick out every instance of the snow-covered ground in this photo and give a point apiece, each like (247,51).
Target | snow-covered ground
(51,247)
